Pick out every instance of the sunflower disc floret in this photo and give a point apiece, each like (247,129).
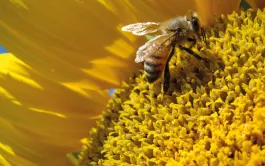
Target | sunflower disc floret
(214,112)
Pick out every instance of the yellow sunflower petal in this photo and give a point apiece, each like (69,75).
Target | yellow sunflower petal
(40,118)
(59,47)
(208,10)
(256,3)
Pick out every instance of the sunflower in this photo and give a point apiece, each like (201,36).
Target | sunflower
(62,57)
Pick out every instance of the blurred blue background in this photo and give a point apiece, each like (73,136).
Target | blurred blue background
(111,91)
(2,49)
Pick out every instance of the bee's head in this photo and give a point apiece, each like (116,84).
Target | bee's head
(195,25)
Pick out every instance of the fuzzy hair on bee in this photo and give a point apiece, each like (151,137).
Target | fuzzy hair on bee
(157,52)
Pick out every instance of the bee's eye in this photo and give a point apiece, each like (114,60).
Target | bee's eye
(195,24)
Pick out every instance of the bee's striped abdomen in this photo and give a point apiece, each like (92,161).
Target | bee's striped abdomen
(153,67)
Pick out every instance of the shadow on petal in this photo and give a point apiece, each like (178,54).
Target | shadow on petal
(256,3)
(208,10)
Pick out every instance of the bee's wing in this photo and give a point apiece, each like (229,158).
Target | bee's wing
(152,46)
(141,29)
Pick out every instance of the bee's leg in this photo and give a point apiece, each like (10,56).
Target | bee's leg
(194,54)
(203,35)
(166,74)
(188,50)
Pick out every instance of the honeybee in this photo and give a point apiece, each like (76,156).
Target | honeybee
(157,52)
